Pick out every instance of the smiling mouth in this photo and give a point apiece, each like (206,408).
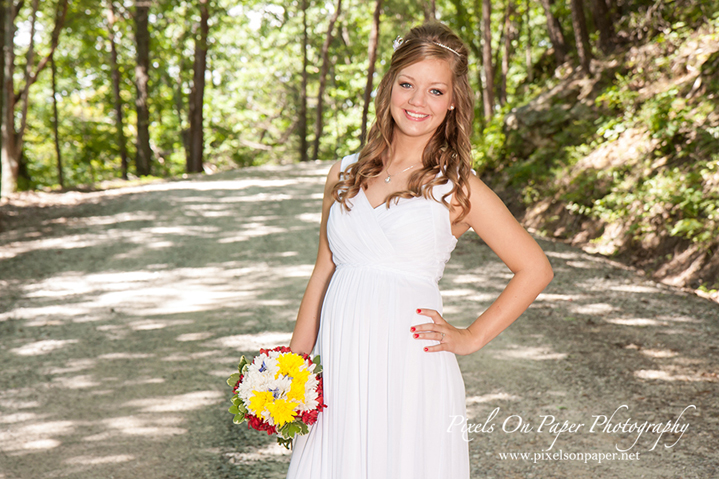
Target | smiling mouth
(415,116)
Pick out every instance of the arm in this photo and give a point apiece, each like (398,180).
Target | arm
(308,317)
(493,222)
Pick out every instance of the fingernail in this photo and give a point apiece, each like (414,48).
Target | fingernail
(416,335)
(412,329)
(426,349)
(419,310)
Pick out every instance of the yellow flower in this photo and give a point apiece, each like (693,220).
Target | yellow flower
(258,402)
(297,390)
(289,364)
(282,411)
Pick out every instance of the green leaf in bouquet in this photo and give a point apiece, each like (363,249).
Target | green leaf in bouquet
(287,443)
(318,367)
(233,409)
(236,400)
(290,429)
(232,380)
(238,418)
(243,363)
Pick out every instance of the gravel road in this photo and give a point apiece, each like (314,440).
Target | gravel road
(122,312)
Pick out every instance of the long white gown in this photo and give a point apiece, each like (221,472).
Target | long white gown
(391,406)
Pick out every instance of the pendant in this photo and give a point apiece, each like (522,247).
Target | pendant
(386,180)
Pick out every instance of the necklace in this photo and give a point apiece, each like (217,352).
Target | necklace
(389,178)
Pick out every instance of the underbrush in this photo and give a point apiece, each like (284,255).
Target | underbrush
(624,161)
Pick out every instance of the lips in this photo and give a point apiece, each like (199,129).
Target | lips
(415,116)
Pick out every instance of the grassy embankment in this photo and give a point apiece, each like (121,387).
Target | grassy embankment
(625,161)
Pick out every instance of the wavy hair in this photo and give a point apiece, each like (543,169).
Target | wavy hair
(448,150)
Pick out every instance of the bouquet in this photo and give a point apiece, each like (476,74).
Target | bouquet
(279,392)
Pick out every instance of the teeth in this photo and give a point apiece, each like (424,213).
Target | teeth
(414,115)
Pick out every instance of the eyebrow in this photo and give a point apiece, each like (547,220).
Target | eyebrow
(408,76)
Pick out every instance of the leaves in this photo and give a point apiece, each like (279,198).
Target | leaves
(232,380)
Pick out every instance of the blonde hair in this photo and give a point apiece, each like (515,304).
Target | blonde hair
(448,150)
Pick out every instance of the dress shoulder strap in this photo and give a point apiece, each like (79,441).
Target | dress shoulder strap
(348,160)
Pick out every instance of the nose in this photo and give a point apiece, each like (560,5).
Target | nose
(417,98)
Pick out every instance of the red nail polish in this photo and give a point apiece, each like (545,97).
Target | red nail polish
(419,310)
(416,335)
(412,329)
(425,349)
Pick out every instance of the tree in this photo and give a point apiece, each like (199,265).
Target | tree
(581,35)
(554,29)
(323,78)
(197,94)
(121,141)
(528,47)
(487,59)
(430,11)
(302,126)
(372,55)
(55,121)
(603,22)
(508,33)
(13,136)
(142,41)
(464,21)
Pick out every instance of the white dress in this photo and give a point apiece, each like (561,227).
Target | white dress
(392,409)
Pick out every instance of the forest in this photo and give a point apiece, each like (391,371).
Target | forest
(595,119)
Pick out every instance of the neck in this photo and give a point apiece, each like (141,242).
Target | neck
(405,150)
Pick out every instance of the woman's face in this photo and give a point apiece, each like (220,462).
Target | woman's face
(421,98)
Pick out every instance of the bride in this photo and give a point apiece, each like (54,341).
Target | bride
(391,217)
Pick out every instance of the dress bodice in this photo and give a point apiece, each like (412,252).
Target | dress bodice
(412,237)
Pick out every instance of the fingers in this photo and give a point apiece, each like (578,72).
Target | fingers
(435,348)
(432,313)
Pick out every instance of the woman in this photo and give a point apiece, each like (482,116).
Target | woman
(391,217)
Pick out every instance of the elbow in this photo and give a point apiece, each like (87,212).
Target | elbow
(547,273)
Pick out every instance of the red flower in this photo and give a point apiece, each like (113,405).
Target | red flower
(234,389)
(256,423)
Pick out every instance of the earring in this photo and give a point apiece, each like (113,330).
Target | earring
(451,107)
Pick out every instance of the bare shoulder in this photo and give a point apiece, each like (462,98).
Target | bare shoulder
(480,196)
(334,175)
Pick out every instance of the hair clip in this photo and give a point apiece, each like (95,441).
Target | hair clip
(397,42)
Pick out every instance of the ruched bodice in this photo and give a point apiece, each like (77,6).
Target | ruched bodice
(413,236)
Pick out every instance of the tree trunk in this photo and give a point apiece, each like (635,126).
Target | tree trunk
(323,79)
(507,34)
(12,140)
(581,35)
(603,22)
(463,19)
(556,36)
(302,126)
(613,9)
(430,11)
(25,94)
(121,141)
(372,54)
(3,18)
(528,49)
(487,59)
(10,164)
(197,94)
(53,69)
(142,40)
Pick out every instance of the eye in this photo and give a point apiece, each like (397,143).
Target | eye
(404,84)
(436,92)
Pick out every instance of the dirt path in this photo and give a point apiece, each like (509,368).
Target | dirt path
(122,313)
